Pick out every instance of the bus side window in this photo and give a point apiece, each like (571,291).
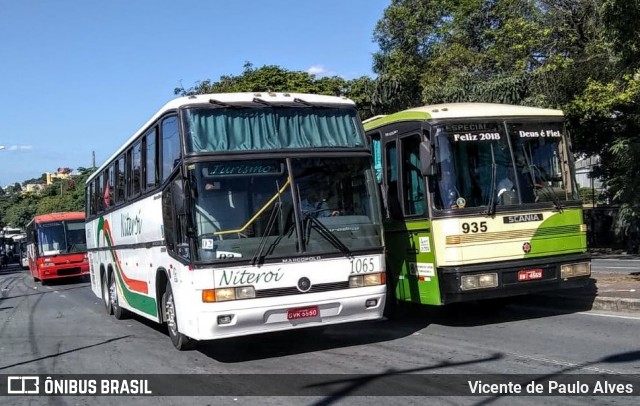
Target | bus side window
(390,195)
(170,145)
(413,182)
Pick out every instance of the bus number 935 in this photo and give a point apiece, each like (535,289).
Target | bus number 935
(474,227)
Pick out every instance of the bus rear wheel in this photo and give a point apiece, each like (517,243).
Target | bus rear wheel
(179,340)
(118,312)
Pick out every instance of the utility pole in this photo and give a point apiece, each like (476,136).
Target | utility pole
(93,161)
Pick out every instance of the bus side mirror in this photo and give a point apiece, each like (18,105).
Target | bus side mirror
(426,159)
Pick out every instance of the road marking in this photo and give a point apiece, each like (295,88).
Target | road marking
(613,316)
(619,267)
(564,363)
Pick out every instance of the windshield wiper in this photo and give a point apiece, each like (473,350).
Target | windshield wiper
(225,105)
(258,256)
(548,190)
(491,205)
(533,170)
(327,234)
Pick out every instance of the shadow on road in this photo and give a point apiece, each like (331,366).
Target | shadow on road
(278,344)
(495,311)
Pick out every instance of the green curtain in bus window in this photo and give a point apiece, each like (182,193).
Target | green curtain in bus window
(376,150)
(318,128)
(267,128)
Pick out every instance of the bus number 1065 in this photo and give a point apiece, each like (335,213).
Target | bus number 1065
(362,265)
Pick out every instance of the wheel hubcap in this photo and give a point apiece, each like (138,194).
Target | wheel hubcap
(113,293)
(171,315)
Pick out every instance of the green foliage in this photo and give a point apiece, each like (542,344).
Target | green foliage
(589,197)
(271,78)
(581,56)
(18,208)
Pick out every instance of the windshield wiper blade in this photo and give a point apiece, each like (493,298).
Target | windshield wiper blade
(491,205)
(258,256)
(550,193)
(304,102)
(328,235)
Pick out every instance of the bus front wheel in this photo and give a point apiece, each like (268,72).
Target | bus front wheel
(179,340)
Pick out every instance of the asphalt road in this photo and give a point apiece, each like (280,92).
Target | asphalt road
(623,264)
(63,329)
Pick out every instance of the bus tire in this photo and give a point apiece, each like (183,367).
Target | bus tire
(118,312)
(105,294)
(179,340)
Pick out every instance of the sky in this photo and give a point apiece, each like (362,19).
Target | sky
(79,77)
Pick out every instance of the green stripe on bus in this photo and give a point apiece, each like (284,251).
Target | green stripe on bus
(402,116)
(136,300)
(566,238)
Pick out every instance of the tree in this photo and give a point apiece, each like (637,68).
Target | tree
(272,78)
(578,55)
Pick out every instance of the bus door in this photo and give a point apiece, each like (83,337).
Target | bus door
(408,232)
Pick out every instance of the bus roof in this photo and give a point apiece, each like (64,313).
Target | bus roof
(241,99)
(47,218)
(460,110)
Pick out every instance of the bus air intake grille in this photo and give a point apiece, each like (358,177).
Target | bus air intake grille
(321,287)
(548,232)
(69,271)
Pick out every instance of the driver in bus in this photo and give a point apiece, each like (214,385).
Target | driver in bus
(315,204)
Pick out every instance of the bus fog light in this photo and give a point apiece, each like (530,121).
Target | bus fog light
(356,281)
(224,294)
(486,280)
(371,303)
(225,319)
(489,280)
(572,270)
(245,292)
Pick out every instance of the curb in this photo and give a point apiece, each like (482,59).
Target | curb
(585,303)
(616,304)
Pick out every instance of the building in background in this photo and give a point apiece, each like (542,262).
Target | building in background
(62,173)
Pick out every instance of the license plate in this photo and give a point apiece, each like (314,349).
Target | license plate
(529,274)
(303,313)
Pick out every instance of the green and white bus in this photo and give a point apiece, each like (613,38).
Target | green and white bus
(480,202)
(234,214)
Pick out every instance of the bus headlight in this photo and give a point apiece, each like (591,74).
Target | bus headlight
(226,294)
(370,279)
(573,270)
(480,281)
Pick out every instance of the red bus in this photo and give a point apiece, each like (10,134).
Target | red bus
(57,246)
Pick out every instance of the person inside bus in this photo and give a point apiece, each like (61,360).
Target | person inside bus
(315,204)
(507,187)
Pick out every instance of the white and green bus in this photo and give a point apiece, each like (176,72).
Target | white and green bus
(480,202)
(234,214)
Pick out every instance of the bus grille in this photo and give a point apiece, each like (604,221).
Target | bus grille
(322,287)
(68,271)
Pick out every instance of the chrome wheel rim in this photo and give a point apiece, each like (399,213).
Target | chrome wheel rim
(113,292)
(171,315)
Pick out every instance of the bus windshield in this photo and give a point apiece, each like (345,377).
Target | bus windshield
(496,163)
(61,237)
(244,210)
(248,129)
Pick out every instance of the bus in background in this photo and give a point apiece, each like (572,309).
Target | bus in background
(234,214)
(56,246)
(480,202)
